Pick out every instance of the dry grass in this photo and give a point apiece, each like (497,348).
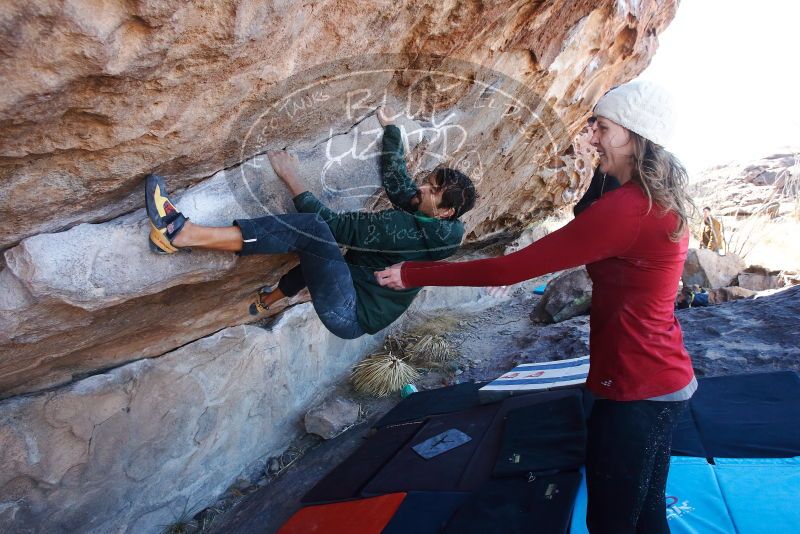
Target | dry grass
(431,350)
(387,371)
(774,244)
(382,374)
(429,324)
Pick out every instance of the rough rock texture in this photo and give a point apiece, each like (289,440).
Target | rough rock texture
(124,451)
(758,204)
(769,186)
(97,95)
(744,336)
(566,296)
(127,450)
(759,278)
(706,268)
(330,418)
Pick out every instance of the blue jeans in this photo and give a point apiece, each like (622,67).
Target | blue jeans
(324,269)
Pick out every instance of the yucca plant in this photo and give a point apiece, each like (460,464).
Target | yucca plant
(382,374)
(431,349)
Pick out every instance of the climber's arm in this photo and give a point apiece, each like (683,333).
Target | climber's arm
(400,189)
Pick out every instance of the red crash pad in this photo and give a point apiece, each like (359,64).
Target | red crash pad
(366,516)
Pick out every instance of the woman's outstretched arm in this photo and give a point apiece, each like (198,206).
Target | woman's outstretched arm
(606,229)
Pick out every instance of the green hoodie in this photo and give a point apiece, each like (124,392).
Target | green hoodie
(376,240)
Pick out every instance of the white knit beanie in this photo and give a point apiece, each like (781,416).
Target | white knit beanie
(642,107)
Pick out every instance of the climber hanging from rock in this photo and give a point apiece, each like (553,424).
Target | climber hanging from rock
(345,294)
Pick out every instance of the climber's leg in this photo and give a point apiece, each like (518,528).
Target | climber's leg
(289,285)
(324,268)
(227,238)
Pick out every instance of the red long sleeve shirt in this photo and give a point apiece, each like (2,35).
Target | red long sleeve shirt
(635,341)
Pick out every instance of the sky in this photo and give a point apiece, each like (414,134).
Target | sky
(733,69)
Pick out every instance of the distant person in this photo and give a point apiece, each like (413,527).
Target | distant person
(698,297)
(633,241)
(712,237)
(345,294)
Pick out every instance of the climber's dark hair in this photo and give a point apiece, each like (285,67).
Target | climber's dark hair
(458,191)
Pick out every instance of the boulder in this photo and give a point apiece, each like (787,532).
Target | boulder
(708,269)
(130,88)
(126,450)
(727,294)
(759,278)
(744,336)
(331,418)
(199,93)
(566,296)
(761,187)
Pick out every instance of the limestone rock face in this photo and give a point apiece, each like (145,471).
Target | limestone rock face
(706,268)
(769,186)
(124,451)
(98,95)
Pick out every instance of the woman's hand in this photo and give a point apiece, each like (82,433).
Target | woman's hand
(390,277)
(386,115)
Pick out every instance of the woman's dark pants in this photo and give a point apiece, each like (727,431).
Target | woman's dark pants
(627,461)
(323,267)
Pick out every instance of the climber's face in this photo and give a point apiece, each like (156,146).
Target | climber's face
(615,146)
(430,198)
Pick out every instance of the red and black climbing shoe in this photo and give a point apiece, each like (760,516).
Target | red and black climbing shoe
(165,219)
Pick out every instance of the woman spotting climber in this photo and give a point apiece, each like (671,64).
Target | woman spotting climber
(348,300)
(633,241)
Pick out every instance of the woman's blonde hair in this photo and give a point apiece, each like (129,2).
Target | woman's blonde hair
(664,180)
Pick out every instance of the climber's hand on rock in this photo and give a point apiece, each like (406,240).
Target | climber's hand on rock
(390,277)
(283,163)
(387,115)
(287,166)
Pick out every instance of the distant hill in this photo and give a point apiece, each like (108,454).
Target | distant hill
(759,204)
